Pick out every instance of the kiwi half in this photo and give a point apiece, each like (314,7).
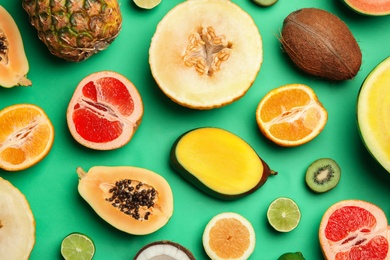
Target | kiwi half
(323,175)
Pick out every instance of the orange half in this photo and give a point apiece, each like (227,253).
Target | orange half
(291,115)
(229,235)
(26,136)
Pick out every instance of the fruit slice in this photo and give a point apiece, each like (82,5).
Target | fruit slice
(291,256)
(230,236)
(212,53)
(323,175)
(219,163)
(265,3)
(77,246)
(134,200)
(283,214)
(291,115)
(13,60)
(164,250)
(17,224)
(368,7)
(354,229)
(26,136)
(373,113)
(147,4)
(105,111)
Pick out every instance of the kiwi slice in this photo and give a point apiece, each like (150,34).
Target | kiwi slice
(323,175)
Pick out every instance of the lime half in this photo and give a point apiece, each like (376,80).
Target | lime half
(77,246)
(147,4)
(283,214)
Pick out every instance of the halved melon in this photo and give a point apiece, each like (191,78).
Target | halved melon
(205,53)
(17,224)
(369,7)
(373,113)
(134,200)
(13,61)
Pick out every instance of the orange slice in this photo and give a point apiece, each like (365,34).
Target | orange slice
(230,236)
(291,115)
(26,136)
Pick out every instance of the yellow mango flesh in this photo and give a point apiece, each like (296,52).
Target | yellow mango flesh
(374,113)
(220,160)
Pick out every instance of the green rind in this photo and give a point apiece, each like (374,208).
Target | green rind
(362,12)
(204,188)
(359,123)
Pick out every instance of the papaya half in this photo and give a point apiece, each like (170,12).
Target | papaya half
(134,200)
(369,7)
(219,163)
(13,60)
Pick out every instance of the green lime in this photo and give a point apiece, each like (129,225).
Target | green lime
(291,256)
(265,2)
(77,246)
(147,4)
(283,214)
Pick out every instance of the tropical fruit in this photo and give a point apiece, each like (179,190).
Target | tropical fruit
(368,7)
(26,136)
(17,224)
(323,175)
(321,44)
(13,60)
(212,53)
(373,113)
(354,229)
(77,246)
(75,30)
(134,200)
(283,214)
(104,111)
(164,249)
(219,163)
(291,115)
(229,235)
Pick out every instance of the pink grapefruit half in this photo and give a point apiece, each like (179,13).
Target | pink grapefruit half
(354,230)
(104,111)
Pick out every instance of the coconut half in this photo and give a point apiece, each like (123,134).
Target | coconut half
(164,250)
(17,224)
(205,53)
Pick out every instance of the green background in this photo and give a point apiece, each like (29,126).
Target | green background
(51,185)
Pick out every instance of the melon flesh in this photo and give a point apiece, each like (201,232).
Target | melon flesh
(370,7)
(220,27)
(17,224)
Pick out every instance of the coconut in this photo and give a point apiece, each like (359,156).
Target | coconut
(321,44)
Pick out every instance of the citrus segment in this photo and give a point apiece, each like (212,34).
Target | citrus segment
(354,229)
(283,214)
(373,113)
(291,115)
(77,246)
(105,111)
(229,236)
(26,136)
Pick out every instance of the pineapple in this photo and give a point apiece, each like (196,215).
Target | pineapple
(75,29)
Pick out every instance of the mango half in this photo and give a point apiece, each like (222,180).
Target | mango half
(219,163)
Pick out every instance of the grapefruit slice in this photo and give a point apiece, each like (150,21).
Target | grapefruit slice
(354,230)
(17,224)
(105,111)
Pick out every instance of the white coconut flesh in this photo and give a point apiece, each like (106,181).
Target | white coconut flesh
(206,53)
(17,224)
(163,251)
